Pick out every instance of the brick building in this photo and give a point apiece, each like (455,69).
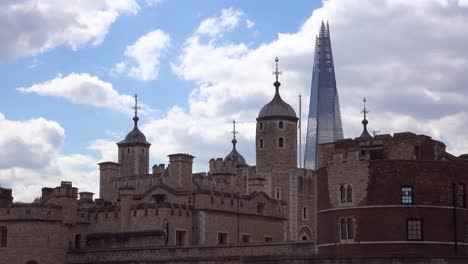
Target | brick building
(384,194)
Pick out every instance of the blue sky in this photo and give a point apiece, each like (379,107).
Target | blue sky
(69,74)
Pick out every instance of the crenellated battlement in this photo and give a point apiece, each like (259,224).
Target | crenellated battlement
(31,212)
(222,167)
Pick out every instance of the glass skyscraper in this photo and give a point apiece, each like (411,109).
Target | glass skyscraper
(324,122)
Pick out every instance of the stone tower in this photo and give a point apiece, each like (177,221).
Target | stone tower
(276,134)
(134,150)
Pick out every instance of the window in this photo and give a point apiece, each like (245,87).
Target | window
(304,213)
(407,195)
(347,228)
(278,193)
(246,238)
(281,142)
(281,125)
(349,194)
(31,262)
(180,237)
(222,238)
(350,228)
(414,229)
(260,126)
(261,143)
(268,239)
(260,208)
(417,152)
(3,236)
(342,194)
(460,195)
(300,185)
(77,241)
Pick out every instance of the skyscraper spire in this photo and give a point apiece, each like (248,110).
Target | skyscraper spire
(365,111)
(324,122)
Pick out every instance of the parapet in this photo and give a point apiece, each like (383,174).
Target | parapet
(224,167)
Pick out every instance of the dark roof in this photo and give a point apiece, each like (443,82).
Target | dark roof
(236,156)
(135,136)
(277,108)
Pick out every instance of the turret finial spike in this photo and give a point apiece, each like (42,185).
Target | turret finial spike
(136,108)
(277,73)
(365,111)
(234,132)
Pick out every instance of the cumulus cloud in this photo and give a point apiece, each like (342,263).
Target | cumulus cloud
(31,158)
(82,88)
(144,55)
(411,70)
(37,26)
(226,21)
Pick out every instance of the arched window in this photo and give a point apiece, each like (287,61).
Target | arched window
(349,194)
(342,194)
(304,237)
(281,125)
(3,236)
(261,143)
(260,126)
(343,229)
(128,150)
(304,213)
(350,229)
(281,142)
(78,240)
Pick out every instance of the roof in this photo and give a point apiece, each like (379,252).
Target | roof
(277,108)
(236,156)
(135,136)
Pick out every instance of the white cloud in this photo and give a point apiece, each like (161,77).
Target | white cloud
(82,88)
(31,158)
(144,55)
(226,21)
(249,23)
(30,27)
(411,70)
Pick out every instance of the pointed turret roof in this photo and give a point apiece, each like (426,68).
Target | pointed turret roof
(277,108)
(235,155)
(365,133)
(135,136)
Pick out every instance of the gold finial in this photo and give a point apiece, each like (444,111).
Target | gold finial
(276,72)
(136,107)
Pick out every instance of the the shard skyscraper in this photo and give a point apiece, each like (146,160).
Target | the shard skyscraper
(324,122)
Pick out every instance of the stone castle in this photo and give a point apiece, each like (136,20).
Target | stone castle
(401,194)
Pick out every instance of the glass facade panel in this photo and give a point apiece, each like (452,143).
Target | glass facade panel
(324,122)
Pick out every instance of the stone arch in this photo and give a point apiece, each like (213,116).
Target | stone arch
(305,233)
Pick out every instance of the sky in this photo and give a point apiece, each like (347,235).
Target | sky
(69,73)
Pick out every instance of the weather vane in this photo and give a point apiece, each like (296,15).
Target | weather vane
(365,111)
(276,72)
(136,107)
(234,132)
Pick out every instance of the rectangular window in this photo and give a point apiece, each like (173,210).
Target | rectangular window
(159,198)
(245,238)
(222,238)
(376,154)
(407,195)
(180,237)
(460,193)
(260,208)
(3,236)
(414,229)
(268,238)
